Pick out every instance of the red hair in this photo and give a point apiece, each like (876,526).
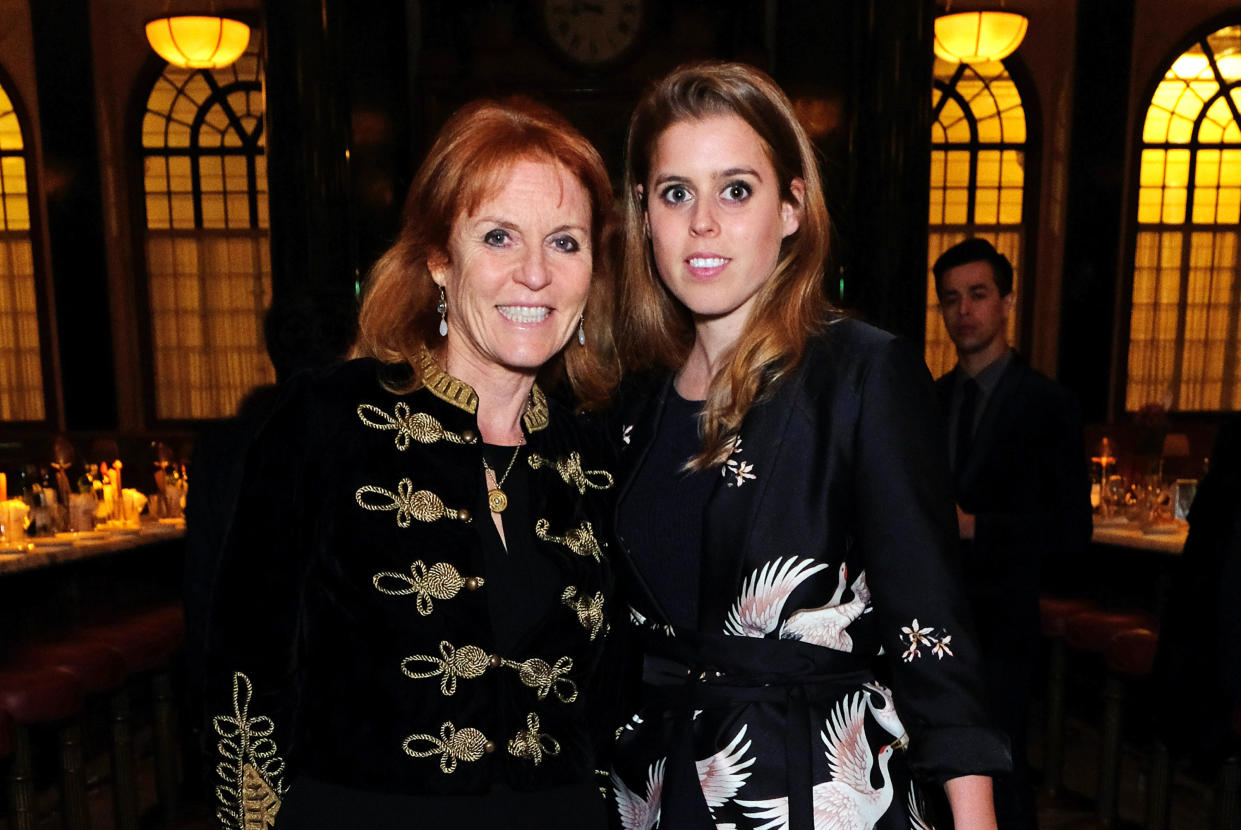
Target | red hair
(467,164)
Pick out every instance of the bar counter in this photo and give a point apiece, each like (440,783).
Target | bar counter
(1130,535)
(54,586)
(65,547)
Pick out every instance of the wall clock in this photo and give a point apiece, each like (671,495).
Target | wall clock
(592,33)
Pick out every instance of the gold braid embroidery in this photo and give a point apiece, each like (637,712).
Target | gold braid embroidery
(589,610)
(467,745)
(581,540)
(530,743)
(467,662)
(418,426)
(442,581)
(543,678)
(570,469)
(409,503)
(251,771)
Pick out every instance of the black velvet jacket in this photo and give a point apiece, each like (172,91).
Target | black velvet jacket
(349,637)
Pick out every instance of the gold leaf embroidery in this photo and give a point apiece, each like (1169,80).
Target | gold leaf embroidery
(467,745)
(259,802)
(418,426)
(250,771)
(467,662)
(543,678)
(409,503)
(581,540)
(530,743)
(570,469)
(589,610)
(442,581)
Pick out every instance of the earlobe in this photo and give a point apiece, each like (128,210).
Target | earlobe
(437,264)
(791,212)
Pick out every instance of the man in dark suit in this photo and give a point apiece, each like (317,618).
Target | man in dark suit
(1021,486)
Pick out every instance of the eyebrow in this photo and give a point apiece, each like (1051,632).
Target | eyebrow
(723,174)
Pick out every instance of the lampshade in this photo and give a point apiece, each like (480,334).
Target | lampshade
(198,41)
(977,37)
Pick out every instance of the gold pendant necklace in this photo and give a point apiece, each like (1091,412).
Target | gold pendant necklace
(497,499)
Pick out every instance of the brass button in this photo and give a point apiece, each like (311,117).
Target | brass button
(471,583)
(469,436)
(495,661)
(464,514)
(489,747)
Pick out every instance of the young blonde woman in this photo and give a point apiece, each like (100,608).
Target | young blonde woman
(786,508)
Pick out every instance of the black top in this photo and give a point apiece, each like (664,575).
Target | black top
(515,567)
(661,521)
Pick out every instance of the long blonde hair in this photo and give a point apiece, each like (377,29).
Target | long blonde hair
(465,166)
(655,328)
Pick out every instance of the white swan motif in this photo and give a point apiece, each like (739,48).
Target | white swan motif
(637,812)
(849,801)
(825,625)
(757,611)
(720,776)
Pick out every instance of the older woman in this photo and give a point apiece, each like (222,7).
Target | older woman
(785,503)
(407,625)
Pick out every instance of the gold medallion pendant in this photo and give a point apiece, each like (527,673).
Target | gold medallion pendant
(497,499)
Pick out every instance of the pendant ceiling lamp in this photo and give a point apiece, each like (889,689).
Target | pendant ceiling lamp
(198,41)
(978,36)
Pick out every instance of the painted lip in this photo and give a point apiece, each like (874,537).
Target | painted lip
(705,266)
(525,314)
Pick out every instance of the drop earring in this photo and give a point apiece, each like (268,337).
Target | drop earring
(581,330)
(442,309)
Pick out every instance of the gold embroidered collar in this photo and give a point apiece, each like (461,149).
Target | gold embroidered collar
(460,394)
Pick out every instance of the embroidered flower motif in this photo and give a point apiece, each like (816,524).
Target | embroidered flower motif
(741,471)
(627,433)
(917,636)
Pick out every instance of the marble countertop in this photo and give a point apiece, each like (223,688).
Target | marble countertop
(1169,539)
(48,552)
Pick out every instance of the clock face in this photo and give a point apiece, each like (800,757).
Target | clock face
(592,32)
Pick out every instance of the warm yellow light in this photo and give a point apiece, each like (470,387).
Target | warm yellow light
(978,37)
(198,42)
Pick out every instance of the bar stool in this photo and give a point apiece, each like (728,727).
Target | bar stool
(1054,614)
(99,672)
(1092,631)
(35,698)
(147,643)
(1131,654)
(1227,812)
(7,739)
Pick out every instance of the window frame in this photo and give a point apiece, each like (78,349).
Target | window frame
(1132,227)
(1023,278)
(137,153)
(49,346)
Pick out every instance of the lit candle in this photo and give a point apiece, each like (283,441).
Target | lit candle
(4,487)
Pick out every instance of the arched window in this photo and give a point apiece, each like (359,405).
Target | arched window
(978,153)
(1185,319)
(207,252)
(21,359)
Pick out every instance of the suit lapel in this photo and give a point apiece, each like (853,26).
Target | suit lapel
(731,516)
(993,420)
(641,425)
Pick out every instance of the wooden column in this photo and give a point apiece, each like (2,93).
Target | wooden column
(70,175)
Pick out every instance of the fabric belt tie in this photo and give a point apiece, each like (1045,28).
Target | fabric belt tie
(683,806)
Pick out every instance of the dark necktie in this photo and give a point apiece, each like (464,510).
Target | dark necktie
(965,425)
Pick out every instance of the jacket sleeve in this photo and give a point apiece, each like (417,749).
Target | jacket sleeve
(252,614)
(906,531)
